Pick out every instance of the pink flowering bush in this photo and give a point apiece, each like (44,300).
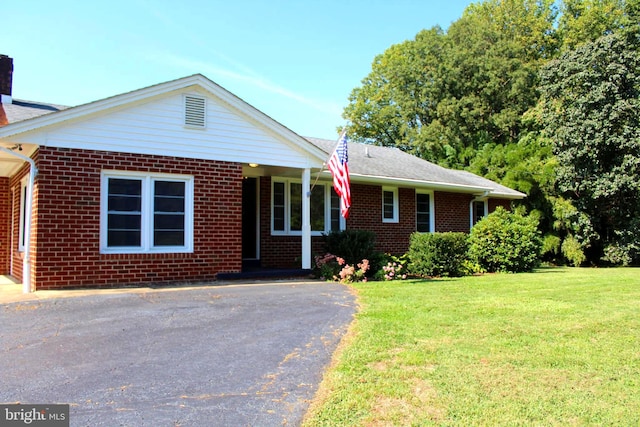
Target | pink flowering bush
(349,274)
(394,271)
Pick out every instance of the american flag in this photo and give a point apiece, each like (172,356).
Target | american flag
(340,171)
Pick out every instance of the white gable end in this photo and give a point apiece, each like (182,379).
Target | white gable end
(215,126)
(158,127)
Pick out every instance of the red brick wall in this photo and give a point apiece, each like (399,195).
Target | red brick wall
(66,241)
(366,214)
(494,203)
(452,211)
(5,225)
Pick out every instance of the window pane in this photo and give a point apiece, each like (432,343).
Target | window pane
(422,213)
(335,211)
(296,206)
(278,206)
(387,204)
(168,238)
(125,195)
(168,213)
(317,208)
(124,212)
(478,208)
(123,238)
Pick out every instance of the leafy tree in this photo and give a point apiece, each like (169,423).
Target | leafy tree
(587,20)
(592,111)
(443,95)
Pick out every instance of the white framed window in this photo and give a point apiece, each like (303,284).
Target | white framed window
(142,213)
(286,208)
(390,204)
(22,225)
(480,210)
(424,212)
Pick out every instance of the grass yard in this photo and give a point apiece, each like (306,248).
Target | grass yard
(560,346)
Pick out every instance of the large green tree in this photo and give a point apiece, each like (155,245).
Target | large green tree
(469,97)
(592,114)
(443,95)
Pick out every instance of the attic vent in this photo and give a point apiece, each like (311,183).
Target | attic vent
(194,111)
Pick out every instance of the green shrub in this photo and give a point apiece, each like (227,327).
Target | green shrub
(573,251)
(506,241)
(353,246)
(438,254)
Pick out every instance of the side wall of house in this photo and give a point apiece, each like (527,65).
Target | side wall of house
(451,212)
(67,232)
(5,225)
(366,214)
(494,203)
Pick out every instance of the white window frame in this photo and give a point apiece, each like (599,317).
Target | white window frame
(396,209)
(287,208)
(147,212)
(432,222)
(22,217)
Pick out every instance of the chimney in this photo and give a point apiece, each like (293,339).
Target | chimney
(6,79)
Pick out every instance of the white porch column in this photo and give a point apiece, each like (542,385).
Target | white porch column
(306,219)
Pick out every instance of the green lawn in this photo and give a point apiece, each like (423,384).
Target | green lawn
(558,347)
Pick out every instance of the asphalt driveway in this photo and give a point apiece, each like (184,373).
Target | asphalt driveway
(249,355)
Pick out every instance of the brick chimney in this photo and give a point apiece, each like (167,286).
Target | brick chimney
(6,79)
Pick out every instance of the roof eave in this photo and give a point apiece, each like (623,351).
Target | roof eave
(432,185)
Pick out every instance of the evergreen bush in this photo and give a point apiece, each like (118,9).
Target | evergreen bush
(438,254)
(506,242)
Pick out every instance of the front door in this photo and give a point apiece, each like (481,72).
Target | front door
(250,220)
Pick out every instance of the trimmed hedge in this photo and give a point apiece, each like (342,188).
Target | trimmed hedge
(438,254)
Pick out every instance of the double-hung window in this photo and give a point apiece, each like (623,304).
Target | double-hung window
(390,210)
(424,214)
(286,208)
(146,213)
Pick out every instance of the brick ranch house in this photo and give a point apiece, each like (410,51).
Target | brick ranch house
(184,181)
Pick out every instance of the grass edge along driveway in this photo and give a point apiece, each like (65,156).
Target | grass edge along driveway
(560,346)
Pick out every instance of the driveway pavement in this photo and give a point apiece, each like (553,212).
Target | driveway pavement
(249,355)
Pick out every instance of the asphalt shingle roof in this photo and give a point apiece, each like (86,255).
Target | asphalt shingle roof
(20,110)
(384,162)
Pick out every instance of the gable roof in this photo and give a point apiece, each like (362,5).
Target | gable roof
(28,118)
(371,163)
(30,126)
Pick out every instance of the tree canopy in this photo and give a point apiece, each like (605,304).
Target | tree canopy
(469,97)
(592,112)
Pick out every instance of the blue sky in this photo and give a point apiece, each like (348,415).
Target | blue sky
(296,61)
